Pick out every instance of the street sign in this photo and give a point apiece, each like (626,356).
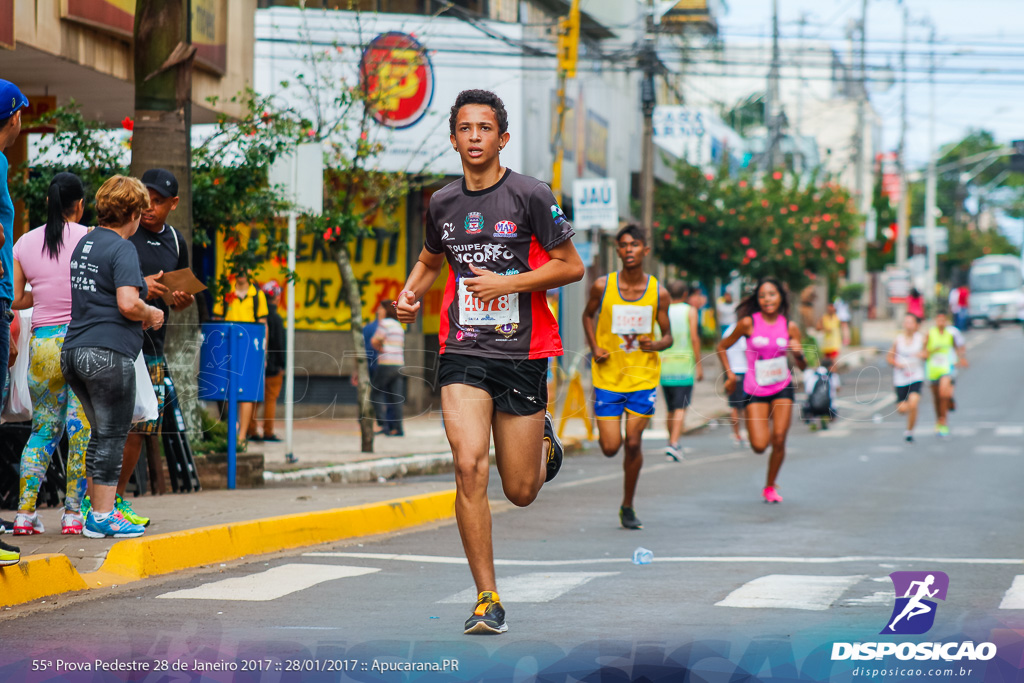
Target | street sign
(919,236)
(898,284)
(300,173)
(1017,158)
(595,204)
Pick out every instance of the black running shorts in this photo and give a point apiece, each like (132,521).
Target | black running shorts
(517,386)
(738,398)
(786,392)
(677,398)
(904,392)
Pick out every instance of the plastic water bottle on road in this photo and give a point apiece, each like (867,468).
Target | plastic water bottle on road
(642,556)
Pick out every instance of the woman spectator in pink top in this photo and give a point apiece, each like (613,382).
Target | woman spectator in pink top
(915,304)
(42,259)
(771,337)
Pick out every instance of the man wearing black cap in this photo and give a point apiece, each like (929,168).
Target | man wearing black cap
(11,103)
(162,249)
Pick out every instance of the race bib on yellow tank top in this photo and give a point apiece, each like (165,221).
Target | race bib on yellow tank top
(632,319)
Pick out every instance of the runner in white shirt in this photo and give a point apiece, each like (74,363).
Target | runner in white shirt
(737,355)
(907,359)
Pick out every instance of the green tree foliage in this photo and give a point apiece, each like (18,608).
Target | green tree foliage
(709,225)
(78,146)
(971,167)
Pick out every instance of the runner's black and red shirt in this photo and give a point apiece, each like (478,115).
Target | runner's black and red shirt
(507,229)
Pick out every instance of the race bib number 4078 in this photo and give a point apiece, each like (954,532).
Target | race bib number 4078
(632,319)
(474,311)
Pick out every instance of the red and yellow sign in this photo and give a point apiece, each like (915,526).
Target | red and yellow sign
(209,24)
(7,24)
(38,106)
(399,77)
(209,33)
(116,16)
(378,260)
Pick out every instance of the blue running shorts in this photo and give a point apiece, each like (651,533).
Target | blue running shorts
(611,404)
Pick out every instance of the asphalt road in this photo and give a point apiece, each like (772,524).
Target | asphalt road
(736,585)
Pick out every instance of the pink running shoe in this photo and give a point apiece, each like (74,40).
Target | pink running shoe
(27,524)
(771,495)
(71,523)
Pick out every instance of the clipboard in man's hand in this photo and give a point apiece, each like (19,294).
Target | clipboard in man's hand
(180,281)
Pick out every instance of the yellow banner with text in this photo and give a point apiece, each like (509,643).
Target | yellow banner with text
(378,260)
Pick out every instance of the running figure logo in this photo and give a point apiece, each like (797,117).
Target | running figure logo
(914,612)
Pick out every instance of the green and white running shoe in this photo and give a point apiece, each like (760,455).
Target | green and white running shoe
(128,513)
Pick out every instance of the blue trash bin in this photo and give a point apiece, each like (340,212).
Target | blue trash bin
(235,354)
(231,368)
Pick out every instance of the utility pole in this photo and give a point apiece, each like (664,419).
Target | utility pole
(771,112)
(858,266)
(568,51)
(930,199)
(800,77)
(648,62)
(903,212)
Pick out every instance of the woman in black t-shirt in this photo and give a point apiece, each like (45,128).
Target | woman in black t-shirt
(108,314)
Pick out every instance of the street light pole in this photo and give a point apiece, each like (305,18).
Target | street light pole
(647,101)
(931,182)
(903,212)
(858,266)
(772,107)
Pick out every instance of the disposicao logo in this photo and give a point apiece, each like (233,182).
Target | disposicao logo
(914,614)
(916,592)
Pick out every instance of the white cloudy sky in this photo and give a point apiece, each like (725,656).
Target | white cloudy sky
(980,86)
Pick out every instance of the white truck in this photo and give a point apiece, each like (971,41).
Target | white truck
(997,290)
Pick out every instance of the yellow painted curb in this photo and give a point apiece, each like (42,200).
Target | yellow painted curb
(38,576)
(137,558)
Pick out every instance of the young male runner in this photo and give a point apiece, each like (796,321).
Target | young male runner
(506,242)
(680,364)
(625,366)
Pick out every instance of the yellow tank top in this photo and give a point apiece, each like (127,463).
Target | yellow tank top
(620,324)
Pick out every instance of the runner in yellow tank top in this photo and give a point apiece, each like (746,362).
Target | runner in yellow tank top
(619,323)
(942,354)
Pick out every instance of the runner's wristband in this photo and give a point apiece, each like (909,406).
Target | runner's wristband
(394,304)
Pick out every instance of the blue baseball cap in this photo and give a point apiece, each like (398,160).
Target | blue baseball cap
(11,99)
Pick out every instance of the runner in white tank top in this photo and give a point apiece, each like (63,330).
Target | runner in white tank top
(907,360)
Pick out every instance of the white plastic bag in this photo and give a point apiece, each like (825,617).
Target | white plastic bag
(19,402)
(145,398)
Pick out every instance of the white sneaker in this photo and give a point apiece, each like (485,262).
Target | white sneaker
(673,454)
(908,436)
(27,525)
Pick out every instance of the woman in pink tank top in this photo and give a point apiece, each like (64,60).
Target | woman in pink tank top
(771,336)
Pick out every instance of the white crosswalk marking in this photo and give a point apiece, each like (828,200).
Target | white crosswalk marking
(964,431)
(1014,597)
(539,587)
(269,585)
(840,433)
(790,591)
(998,450)
(1010,430)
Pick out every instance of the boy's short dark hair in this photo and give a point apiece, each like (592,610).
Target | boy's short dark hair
(678,289)
(634,231)
(485,97)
